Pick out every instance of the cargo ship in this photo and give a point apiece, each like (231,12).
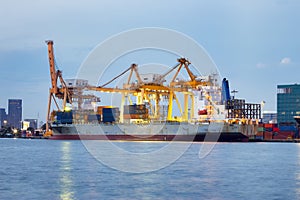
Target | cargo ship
(155,132)
(147,108)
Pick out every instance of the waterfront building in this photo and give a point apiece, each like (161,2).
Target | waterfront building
(15,113)
(33,123)
(269,117)
(288,103)
(3,117)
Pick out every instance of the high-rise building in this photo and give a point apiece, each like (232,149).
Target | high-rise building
(3,117)
(288,103)
(15,113)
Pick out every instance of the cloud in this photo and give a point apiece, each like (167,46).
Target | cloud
(261,65)
(285,61)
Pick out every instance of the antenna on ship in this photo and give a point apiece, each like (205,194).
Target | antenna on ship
(234,92)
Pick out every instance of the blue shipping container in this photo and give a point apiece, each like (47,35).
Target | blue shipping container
(64,117)
(287,128)
(110,110)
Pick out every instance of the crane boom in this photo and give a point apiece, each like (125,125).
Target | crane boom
(186,63)
(53,73)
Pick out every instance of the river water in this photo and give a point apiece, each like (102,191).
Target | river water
(47,169)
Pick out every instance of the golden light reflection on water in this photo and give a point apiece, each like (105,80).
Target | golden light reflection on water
(65,181)
(297,175)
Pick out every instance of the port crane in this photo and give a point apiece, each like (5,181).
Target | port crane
(156,90)
(152,92)
(68,94)
(55,91)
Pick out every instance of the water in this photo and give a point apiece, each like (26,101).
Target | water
(45,169)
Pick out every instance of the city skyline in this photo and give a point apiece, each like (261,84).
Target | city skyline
(12,115)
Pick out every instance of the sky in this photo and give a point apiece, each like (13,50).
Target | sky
(254,43)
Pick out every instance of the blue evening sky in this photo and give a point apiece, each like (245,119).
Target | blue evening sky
(254,43)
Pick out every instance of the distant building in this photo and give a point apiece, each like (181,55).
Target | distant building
(3,116)
(15,113)
(270,117)
(33,123)
(288,103)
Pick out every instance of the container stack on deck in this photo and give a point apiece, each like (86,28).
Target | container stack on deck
(135,112)
(287,131)
(94,118)
(266,131)
(110,115)
(273,132)
(64,117)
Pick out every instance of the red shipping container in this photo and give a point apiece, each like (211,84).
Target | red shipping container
(276,129)
(260,133)
(268,135)
(284,135)
(269,125)
(287,133)
(279,137)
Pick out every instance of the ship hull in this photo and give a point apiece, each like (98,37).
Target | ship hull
(224,137)
(175,132)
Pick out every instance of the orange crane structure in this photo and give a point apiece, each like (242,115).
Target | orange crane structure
(68,94)
(60,93)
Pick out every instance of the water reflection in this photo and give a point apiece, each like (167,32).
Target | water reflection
(297,175)
(65,181)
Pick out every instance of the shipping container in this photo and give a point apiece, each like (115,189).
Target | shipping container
(269,129)
(284,135)
(260,129)
(287,124)
(287,128)
(109,119)
(100,108)
(269,125)
(110,110)
(94,118)
(135,116)
(260,133)
(108,113)
(64,117)
(259,137)
(135,109)
(279,137)
(268,135)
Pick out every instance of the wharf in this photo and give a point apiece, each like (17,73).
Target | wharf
(276,140)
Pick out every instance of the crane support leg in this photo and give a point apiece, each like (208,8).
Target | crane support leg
(192,107)
(186,107)
(48,112)
(170,108)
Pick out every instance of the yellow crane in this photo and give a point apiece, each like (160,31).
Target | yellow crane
(149,92)
(155,90)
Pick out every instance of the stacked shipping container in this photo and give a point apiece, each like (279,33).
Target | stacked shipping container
(287,131)
(272,131)
(135,112)
(110,115)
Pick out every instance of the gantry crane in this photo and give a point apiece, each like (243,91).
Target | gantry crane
(153,91)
